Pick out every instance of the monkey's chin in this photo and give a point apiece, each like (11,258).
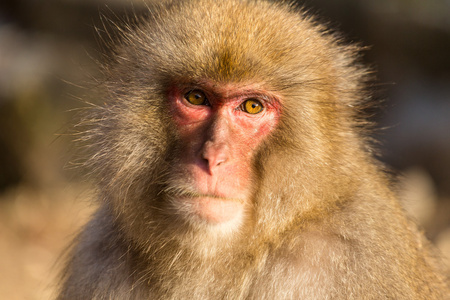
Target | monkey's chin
(214,210)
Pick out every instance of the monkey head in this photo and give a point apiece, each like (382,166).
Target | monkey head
(211,121)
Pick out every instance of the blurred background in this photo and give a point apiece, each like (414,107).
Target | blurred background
(47,49)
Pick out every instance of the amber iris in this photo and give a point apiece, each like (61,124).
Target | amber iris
(252,106)
(196,97)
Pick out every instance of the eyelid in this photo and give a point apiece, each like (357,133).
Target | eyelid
(265,100)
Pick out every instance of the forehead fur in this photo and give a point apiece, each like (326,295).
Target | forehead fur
(231,40)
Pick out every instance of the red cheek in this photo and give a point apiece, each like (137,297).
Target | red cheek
(254,129)
(186,115)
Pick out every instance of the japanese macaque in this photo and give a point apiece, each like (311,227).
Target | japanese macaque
(232,163)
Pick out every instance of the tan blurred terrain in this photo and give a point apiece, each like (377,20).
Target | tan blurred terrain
(35,227)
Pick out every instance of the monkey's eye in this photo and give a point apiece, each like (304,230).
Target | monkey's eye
(252,106)
(196,97)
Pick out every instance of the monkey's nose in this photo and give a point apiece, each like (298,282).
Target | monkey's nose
(215,154)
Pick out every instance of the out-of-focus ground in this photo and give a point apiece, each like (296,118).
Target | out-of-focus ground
(46,44)
(36,225)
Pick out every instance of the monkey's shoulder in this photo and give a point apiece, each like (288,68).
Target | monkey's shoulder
(101,264)
(365,243)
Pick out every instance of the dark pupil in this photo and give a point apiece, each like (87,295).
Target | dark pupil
(254,105)
(197,96)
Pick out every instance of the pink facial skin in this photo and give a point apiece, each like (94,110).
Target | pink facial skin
(219,140)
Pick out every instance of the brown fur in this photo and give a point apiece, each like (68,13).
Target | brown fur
(323,224)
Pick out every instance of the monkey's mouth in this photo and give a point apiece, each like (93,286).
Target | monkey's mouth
(183,191)
(212,196)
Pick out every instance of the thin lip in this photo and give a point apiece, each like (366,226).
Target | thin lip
(190,194)
(198,196)
(212,196)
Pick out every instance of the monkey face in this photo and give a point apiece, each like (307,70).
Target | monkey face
(220,128)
